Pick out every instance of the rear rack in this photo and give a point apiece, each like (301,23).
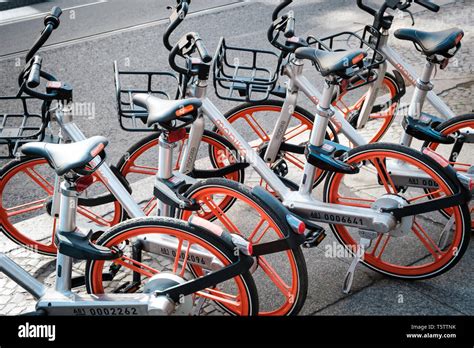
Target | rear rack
(133,118)
(243,74)
(19,125)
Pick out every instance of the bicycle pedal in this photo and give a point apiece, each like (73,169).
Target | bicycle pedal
(314,238)
(280,168)
(349,279)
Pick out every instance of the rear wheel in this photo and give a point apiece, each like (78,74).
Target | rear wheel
(135,273)
(281,277)
(421,246)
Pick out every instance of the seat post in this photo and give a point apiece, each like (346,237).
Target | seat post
(165,168)
(323,113)
(423,86)
(67,223)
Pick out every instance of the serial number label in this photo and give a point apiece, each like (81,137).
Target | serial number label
(194,259)
(338,219)
(402,181)
(127,311)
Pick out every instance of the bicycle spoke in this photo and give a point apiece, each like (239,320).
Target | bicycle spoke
(276,279)
(136,266)
(360,205)
(93,216)
(38,179)
(411,200)
(426,241)
(384,246)
(384,175)
(178,256)
(221,216)
(295,160)
(262,234)
(185,260)
(295,131)
(26,208)
(150,206)
(234,305)
(259,130)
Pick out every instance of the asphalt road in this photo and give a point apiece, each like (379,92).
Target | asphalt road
(83,19)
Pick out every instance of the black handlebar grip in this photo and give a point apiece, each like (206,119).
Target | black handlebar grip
(35,71)
(428,5)
(53,17)
(202,50)
(56,12)
(290,26)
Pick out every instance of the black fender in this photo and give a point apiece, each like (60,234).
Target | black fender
(292,239)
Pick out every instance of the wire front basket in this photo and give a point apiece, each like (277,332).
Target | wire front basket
(163,85)
(369,42)
(242,74)
(21,121)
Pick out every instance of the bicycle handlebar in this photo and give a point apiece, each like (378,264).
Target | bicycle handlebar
(284,24)
(186,46)
(202,50)
(30,77)
(393,4)
(176,18)
(51,22)
(276,13)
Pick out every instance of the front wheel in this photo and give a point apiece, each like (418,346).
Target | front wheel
(283,276)
(421,246)
(177,244)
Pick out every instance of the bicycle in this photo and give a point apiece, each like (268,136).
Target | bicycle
(271,215)
(389,214)
(372,113)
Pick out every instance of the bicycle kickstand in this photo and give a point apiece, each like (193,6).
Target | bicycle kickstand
(359,254)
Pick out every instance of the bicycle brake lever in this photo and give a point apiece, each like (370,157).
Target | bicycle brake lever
(411,16)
